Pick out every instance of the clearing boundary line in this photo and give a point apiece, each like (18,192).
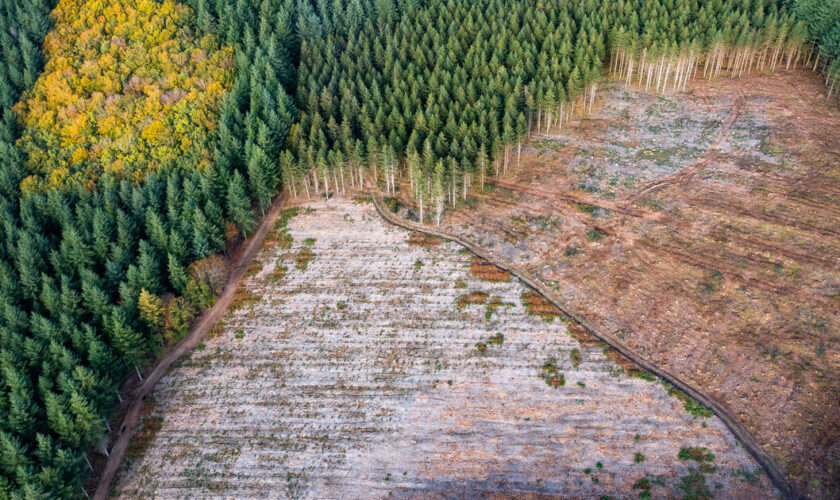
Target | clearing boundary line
(242,259)
(746,439)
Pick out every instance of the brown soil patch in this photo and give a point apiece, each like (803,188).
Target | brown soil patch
(538,306)
(472,298)
(486,271)
(423,240)
(243,298)
(303,258)
(148,429)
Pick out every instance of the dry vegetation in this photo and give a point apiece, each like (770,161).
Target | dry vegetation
(358,377)
(702,230)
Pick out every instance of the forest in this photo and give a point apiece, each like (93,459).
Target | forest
(108,247)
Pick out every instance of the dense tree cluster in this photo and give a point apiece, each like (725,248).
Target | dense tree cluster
(822,19)
(449,89)
(128,88)
(94,277)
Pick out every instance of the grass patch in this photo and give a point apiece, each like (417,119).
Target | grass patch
(586,208)
(460,284)
(497,339)
(537,305)
(486,271)
(303,258)
(638,458)
(493,304)
(697,454)
(309,242)
(575,355)
(278,273)
(643,484)
(692,406)
(279,236)
(148,429)
(243,297)
(254,268)
(595,235)
(473,298)
(657,205)
(551,374)
(239,335)
(423,240)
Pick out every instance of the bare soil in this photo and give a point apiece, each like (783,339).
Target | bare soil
(359,376)
(702,229)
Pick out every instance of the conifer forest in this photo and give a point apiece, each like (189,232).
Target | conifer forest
(144,142)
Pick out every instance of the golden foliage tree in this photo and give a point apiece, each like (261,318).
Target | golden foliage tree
(128,88)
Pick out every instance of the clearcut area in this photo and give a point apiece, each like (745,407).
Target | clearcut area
(364,361)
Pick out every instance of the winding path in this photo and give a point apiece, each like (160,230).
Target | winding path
(241,260)
(770,466)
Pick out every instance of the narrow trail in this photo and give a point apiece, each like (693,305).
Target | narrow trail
(769,465)
(240,262)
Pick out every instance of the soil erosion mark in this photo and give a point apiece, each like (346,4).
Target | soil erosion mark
(749,442)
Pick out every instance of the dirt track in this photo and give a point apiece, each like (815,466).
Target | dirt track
(241,260)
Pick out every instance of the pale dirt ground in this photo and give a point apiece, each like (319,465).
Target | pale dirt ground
(359,378)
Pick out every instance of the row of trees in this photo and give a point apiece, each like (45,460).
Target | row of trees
(822,20)
(448,91)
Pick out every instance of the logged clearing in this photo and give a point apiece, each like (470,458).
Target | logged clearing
(702,230)
(393,364)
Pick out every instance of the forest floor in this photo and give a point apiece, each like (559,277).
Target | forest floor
(360,360)
(702,229)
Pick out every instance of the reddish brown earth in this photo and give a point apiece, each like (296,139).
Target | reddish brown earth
(702,229)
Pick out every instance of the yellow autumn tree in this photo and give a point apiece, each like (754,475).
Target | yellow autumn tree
(151,309)
(128,88)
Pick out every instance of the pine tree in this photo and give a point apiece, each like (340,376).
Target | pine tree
(238,205)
